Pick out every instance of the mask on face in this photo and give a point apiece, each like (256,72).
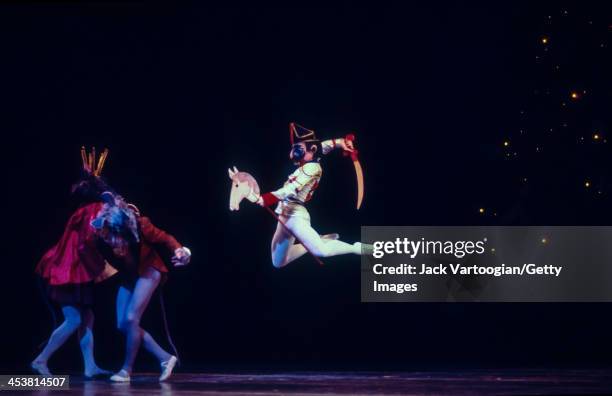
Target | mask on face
(297,152)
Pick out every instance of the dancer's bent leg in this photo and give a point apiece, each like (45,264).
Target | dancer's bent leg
(297,250)
(282,242)
(130,319)
(311,239)
(285,250)
(148,342)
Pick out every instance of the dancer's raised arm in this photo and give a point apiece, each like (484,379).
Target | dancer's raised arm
(329,145)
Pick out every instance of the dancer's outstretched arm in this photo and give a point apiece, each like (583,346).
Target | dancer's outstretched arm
(328,146)
(154,235)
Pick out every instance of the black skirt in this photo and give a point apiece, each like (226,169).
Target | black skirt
(80,295)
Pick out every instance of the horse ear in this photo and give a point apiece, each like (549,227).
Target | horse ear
(231,173)
(235,170)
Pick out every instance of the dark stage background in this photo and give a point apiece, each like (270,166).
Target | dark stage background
(179,92)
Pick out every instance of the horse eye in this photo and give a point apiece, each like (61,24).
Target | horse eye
(236,185)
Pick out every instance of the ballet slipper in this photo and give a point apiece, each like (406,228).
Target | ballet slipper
(167,368)
(121,376)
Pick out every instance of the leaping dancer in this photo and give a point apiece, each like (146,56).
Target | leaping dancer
(294,235)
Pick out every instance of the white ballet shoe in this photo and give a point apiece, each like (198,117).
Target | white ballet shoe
(167,368)
(121,376)
(41,368)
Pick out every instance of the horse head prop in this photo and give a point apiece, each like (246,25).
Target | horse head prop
(243,186)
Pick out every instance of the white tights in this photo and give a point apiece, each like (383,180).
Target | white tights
(285,250)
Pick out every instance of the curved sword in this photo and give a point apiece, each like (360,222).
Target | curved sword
(358,170)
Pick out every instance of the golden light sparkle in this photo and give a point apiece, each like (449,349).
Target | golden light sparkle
(506,143)
(544,40)
(574,95)
(481,210)
(587,184)
(544,240)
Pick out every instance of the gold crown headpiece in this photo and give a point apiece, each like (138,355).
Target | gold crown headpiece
(89,161)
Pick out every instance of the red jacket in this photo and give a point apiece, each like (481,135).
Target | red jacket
(75,258)
(150,237)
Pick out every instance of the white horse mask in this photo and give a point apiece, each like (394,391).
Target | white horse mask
(243,186)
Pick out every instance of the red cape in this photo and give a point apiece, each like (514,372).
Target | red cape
(74,259)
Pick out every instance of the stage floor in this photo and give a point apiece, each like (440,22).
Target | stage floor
(476,382)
